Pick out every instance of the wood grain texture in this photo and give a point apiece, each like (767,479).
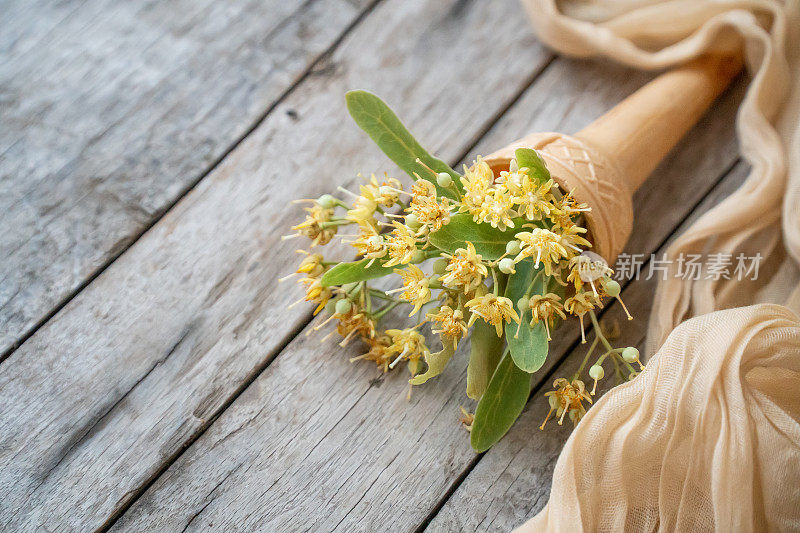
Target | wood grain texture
(313,444)
(511,482)
(138,364)
(111,110)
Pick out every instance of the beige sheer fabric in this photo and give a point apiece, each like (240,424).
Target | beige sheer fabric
(708,436)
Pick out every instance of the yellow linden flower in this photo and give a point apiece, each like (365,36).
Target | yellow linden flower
(571,238)
(311,265)
(493,309)
(422,188)
(496,209)
(512,178)
(568,207)
(535,201)
(477,180)
(542,243)
(545,308)
(450,323)
(316,293)
(364,205)
(430,212)
(465,269)
(314,226)
(401,244)
(370,246)
(410,345)
(378,351)
(584,269)
(415,287)
(567,398)
(355,322)
(389,191)
(579,305)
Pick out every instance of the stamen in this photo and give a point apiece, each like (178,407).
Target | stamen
(625,308)
(550,412)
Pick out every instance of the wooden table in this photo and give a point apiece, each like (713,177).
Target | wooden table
(153,376)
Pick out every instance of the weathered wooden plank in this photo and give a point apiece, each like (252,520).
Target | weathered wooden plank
(137,365)
(312,444)
(511,482)
(111,110)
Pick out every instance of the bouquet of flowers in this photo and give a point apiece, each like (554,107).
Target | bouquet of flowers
(500,258)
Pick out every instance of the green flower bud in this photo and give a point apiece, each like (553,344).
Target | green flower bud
(596,372)
(630,354)
(327,201)
(412,222)
(440,266)
(506,265)
(612,287)
(330,307)
(444,179)
(343,306)
(522,304)
(512,247)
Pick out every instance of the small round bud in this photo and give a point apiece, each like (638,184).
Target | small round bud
(327,201)
(347,287)
(444,179)
(419,257)
(343,306)
(612,287)
(513,247)
(330,307)
(596,372)
(440,266)
(412,222)
(506,265)
(523,303)
(630,354)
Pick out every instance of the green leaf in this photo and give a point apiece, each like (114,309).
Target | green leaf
(488,241)
(501,404)
(485,351)
(528,347)
(379,122)
(355,271)
(436,363)
(526,157)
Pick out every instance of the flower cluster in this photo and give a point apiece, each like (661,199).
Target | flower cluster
(508,250)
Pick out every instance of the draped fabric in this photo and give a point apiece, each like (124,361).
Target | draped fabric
(708,436)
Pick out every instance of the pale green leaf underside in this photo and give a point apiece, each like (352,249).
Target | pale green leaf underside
(501,404)
(379,122)
(529,348)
